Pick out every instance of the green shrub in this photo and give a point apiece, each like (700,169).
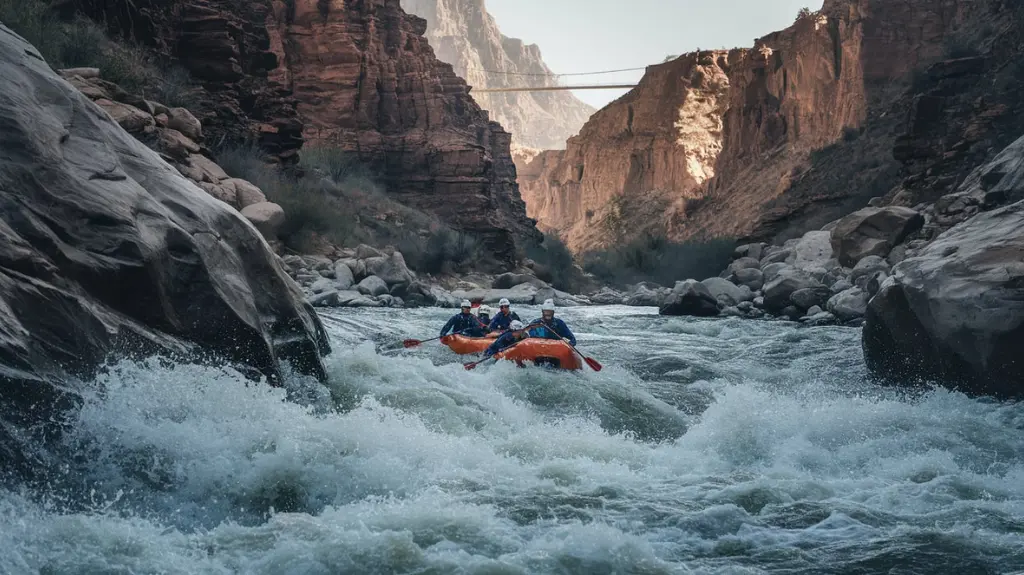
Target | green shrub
(802,13)
(654,258)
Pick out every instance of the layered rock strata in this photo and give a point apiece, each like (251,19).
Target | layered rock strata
(358,75)
(636,158)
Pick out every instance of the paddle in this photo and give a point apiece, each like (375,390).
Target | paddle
(415,342)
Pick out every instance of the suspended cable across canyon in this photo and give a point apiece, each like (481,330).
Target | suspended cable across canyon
(554,88)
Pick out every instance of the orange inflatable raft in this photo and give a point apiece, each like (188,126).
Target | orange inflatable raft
(463,345)
(547,352)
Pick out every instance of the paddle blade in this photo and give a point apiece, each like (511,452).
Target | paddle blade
(411,342)
(594,365)
(469,366)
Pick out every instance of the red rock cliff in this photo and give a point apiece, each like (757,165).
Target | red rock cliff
(636,158)
(819,112)
(467,37)
(358,74)
(866,98)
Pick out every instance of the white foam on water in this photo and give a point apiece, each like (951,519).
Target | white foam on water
(412,464)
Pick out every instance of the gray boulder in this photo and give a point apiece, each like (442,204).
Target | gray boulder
(350,298)
(840,286)
(357,267)
(850,304)
(778,256)
(867,267)
(806,298)
(777,292)
(726,291)
(322,285)
(750,251)
(690,297)
(268,218)
(107,251)
(607,296)
(954,313)
(812,250)
(509,280)
(364,252)
(741,264)
(771,271)
(391,269)
(873,232)
(643,296)
(343,276)
(752,278)
(372,286)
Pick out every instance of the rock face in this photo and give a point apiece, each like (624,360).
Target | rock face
(873,232)
(464,35)
(108,249)
(636,160)
(366,80)
(809,130)
(356,75)
(955,312)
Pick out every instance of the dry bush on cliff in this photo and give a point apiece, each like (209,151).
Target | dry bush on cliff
(654,258)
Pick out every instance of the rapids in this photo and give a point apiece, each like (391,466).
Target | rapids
(704,446)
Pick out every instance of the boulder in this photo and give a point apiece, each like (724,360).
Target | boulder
(850,304)
(806,298)
(873,232)
(373,286)
(643,296)
(840,286)
(247,193)
(774,257)
(690,297)
(607,296)
(523,294)
(778,291)
(267,217)
(752,278)
(175,144)
(183,121)
(443,298)
(867,267)
(128,117)
(323,285)
(874,283)
(770,271)
(741,264)
(357,267)
(508,280)
(813,250)
(416,294)
(561,298)
(954,313)
(754,251)
(730,292)
(327,298)
(221,192)
(391,269)
(364,251)
(107,252)
(343,276)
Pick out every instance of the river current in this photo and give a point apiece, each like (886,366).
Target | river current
(703,446)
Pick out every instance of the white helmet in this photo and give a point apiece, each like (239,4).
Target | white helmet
(516,325)
(465,303)
(504,302)
(549,305)
(485,309)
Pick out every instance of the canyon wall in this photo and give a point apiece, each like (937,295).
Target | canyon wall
(864,99)
(463,34)
(356,74)
(635,160)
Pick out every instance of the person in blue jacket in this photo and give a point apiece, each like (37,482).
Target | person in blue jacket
(514,335)
(464,323)
(551,326)
(504,318)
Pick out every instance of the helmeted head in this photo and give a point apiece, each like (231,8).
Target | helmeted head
(516,325)
(547,311)
(466,306)
(485,312)
(504,305)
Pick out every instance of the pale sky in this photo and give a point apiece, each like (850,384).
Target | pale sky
(592,35)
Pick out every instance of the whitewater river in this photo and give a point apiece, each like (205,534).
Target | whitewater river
(704,446)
